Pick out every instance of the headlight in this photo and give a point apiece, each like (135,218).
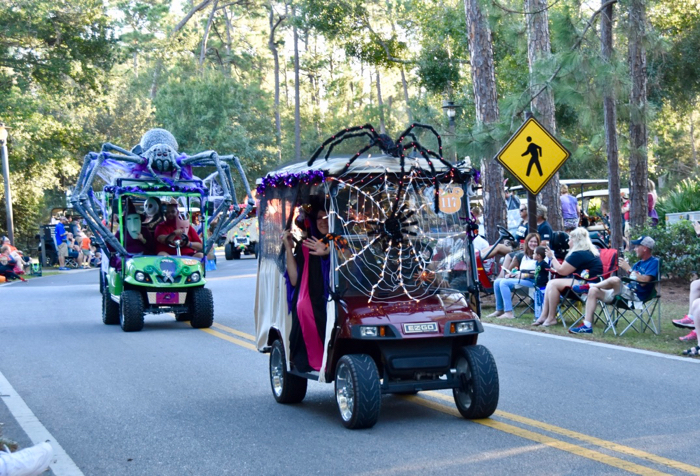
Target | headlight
(140,276)
(368,331)
(194,277)
(462,327)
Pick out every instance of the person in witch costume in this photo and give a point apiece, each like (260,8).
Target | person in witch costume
(308,265)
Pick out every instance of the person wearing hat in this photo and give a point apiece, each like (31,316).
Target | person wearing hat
(643,271)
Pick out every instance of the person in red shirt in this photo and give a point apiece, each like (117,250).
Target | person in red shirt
(170,230)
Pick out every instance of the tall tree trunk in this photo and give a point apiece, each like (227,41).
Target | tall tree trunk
(637,59)
(539,48)
(297,96)
(205,37)
(275,56)
(156,77)
(229,41)
(694,152)
(485,98)
(380,104)
(405,94)
(610,115)
(136,73)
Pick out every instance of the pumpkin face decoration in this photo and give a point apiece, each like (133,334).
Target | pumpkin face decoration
(451,199)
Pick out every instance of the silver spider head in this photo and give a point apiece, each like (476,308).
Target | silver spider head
(162,158)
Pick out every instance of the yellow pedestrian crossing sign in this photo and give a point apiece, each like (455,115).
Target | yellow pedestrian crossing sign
(533,155)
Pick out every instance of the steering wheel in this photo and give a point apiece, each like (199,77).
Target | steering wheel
(184,241)
(504,233)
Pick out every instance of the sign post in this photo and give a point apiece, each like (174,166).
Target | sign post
(533,156)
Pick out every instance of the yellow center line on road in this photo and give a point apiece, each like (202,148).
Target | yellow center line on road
(543,439)
(240,276)
(521,432)
(231,330)
(228,338)
(609,445)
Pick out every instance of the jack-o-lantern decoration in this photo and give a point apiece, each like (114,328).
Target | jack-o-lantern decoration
(451,199)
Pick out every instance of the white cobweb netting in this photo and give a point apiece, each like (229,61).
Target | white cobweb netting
(398,246)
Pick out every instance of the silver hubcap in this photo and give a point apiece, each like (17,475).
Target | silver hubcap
(464,374)
(344,392)
(276,371)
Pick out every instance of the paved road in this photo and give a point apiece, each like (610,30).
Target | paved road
(172,400)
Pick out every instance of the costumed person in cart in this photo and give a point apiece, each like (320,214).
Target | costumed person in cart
(308,265)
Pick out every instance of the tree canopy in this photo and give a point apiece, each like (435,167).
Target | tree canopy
(75,74)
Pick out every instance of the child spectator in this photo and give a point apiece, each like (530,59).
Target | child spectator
(85,250)
(541,278)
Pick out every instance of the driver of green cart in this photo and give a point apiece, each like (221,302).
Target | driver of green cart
(171,230)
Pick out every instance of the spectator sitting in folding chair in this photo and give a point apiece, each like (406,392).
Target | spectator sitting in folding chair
(695,311)
(582,256)
(688,322)
(525,276)
(643,271)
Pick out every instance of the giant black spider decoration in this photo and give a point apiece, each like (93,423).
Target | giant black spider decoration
(394,148)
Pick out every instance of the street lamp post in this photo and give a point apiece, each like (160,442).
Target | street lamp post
(451,110)
(6,178)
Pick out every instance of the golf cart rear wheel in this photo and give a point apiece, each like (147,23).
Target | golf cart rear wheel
(236,253)
(477,395)
(201,308)
(357,391)
(228,251)
(131,311)
(286,388)
(110,309)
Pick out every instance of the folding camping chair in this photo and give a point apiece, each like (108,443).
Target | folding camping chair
(573,300)
(524,298)
(635,314)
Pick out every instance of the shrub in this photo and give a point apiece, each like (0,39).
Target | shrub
(684,197)
(678,247)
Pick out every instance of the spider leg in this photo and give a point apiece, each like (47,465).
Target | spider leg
(347,136)
(338,136)
(84,204)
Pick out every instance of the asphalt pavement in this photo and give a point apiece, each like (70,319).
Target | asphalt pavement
(173,400)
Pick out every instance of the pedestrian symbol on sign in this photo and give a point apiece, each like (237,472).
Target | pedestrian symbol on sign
(535,152)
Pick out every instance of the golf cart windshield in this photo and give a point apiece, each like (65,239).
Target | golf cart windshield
(398,249)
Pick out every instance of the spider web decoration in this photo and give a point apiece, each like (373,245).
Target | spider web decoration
(393,232)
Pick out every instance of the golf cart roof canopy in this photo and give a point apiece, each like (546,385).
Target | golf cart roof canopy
(366,164)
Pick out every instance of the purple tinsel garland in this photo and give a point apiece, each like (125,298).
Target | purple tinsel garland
(173,188)
(291,180)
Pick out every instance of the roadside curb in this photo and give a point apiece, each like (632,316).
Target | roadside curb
(596,344)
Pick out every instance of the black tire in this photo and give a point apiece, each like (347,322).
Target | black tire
(110,309)
(102,282)
(357,391)
(131,311)
(286,388)
(477,397)
(201,308)
(228,251)
(236,253)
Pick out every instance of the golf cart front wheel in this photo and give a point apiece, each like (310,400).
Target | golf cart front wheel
(286,388)
(477,395)
(201,308)
(357,391)
(131,311)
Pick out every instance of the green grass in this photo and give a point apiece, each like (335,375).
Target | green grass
(666,342)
